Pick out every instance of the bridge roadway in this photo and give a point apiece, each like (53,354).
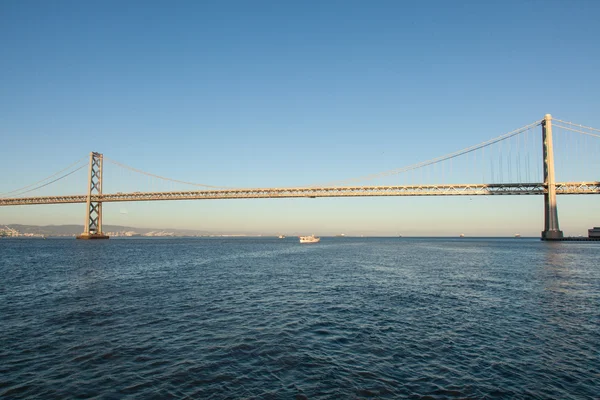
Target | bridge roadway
(313,192)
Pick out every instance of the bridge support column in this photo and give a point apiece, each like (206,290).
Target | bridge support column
(551,229)
(92,228)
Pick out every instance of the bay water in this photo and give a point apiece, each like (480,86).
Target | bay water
(268,318)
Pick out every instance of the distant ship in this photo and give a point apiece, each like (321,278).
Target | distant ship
(461,235)
(310,239)
(517,235)
(340,235)
(281,236)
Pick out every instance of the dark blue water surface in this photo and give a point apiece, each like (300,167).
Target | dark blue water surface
(273,319)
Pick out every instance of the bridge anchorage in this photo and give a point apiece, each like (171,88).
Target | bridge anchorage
(93,214)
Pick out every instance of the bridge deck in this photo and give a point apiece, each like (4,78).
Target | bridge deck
(313,192)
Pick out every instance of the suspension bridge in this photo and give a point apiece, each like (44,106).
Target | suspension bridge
(495,163)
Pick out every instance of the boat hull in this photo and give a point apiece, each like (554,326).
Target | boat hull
(309,239)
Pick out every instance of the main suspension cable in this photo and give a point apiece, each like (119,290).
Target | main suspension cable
(438,159)
(578,131)
(580,126)
(45,179)
(55,180)
(164,178)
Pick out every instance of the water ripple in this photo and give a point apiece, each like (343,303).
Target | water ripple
(270,319)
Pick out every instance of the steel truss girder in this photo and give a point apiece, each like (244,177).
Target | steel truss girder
(313,192)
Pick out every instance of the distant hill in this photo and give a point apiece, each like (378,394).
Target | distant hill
(71,230)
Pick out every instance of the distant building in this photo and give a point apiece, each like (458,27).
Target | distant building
(9,232)
(594,232)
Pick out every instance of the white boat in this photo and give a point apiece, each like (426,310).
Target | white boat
(310,239)
(281,236)
(517,235)
(461,235)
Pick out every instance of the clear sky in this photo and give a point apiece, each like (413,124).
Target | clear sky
(282,93)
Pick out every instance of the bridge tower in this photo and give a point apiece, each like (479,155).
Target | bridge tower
(551,230)
(92,228)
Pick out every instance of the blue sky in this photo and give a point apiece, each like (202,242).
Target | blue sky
(271,94)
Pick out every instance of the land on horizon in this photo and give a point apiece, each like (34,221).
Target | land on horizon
(115,230)
(71,230)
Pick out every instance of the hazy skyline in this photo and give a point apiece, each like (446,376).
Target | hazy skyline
(274,94)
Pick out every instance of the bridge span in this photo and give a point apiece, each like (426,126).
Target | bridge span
(548,188)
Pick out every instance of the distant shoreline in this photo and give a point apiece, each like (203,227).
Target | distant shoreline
(276,237)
